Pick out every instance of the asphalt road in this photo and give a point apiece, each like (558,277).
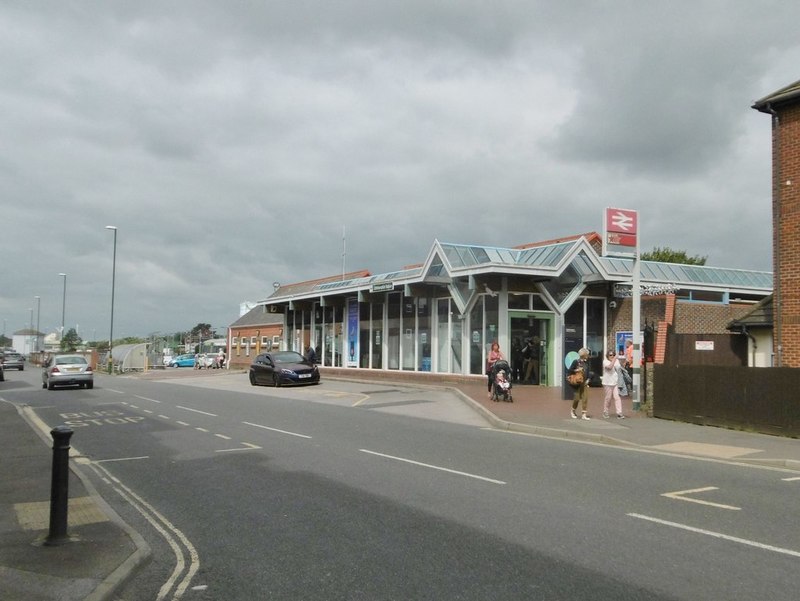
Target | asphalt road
(366,491)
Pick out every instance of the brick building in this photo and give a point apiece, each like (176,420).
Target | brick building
(784,108)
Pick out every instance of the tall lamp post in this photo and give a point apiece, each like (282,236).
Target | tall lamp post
(113,282)
(30,341)
(38,313)
(63,303)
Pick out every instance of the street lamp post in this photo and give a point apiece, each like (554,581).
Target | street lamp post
(63,303)
(38,313)
(113,283)
(30,336)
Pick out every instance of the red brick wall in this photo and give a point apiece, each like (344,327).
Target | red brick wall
(706,318)
(786,235)
(238,353)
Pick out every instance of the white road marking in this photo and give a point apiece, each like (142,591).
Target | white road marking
(164,527)
(276,430)
(222,436)
(734,539)
(164,416)
(195,410)
(246,446)
(144,398)
(790,479)
(201,429)
(121,459)
(679,495)
(148,411)
(434,467)
(115,390)
(181,423)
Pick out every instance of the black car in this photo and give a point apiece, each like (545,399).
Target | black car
(282,367)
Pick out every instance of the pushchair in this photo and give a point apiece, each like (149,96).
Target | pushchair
(501,389)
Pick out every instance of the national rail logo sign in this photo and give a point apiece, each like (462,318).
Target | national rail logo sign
(620,231)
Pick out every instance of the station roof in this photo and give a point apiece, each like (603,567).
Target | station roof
(448,262)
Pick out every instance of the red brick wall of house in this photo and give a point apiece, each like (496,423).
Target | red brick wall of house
(786,235)
(241,355)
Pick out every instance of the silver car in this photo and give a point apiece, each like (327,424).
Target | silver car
(13,360)
(67,370)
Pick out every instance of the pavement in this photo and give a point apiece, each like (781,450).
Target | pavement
(101,551)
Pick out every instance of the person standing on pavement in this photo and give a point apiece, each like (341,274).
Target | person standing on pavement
(610,381)
(311,353)
(494,356)
(629,357)
(582,390)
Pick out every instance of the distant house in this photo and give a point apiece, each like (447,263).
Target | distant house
(258,330)
(27,341)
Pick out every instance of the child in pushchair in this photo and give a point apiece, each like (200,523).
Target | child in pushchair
(501,387)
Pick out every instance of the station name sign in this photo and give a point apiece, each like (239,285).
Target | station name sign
(383,287)
(626,291)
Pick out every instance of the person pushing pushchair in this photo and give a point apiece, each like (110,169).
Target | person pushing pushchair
(501,387)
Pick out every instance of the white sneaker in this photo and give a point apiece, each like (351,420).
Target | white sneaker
(605,414)
(620,416)
(573,415)
(584,416)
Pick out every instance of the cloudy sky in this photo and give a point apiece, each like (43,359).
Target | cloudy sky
(231,143)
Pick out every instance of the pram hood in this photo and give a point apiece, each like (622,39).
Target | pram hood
(500,364)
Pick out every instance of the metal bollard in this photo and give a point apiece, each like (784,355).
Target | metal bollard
(59,488)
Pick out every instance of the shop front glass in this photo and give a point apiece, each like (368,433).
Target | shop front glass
(393,329)
(424,334)
(408,329)
(476,360)
(376,341)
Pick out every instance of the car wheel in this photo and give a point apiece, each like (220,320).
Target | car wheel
(21,367)
(89,384)
(50,386)
(276,380)
(253,379)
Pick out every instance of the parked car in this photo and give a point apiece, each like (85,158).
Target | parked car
(2,373)
(182,361)
(282,367)
(13,360)
(67,370)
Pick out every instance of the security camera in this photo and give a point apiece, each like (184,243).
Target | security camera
(612,304)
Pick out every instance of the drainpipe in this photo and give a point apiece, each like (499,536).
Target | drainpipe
(752,338)
(776,221)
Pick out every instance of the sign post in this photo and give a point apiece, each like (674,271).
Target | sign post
(621,238)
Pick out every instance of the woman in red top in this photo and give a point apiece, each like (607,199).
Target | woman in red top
(494,355)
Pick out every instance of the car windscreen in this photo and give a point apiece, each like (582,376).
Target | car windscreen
(287,357)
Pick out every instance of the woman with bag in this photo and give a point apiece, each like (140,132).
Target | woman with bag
(581,386)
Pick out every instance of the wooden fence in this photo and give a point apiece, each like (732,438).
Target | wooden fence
(759,399)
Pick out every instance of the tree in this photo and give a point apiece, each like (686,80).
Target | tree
(667,255)
(70,341)
(202,330)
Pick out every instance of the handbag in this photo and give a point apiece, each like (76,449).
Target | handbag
(575,379)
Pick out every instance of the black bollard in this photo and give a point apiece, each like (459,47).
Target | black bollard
(59,488)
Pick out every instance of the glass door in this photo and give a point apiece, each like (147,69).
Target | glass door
(531,336)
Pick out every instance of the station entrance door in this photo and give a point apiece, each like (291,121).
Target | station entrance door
(533,366)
